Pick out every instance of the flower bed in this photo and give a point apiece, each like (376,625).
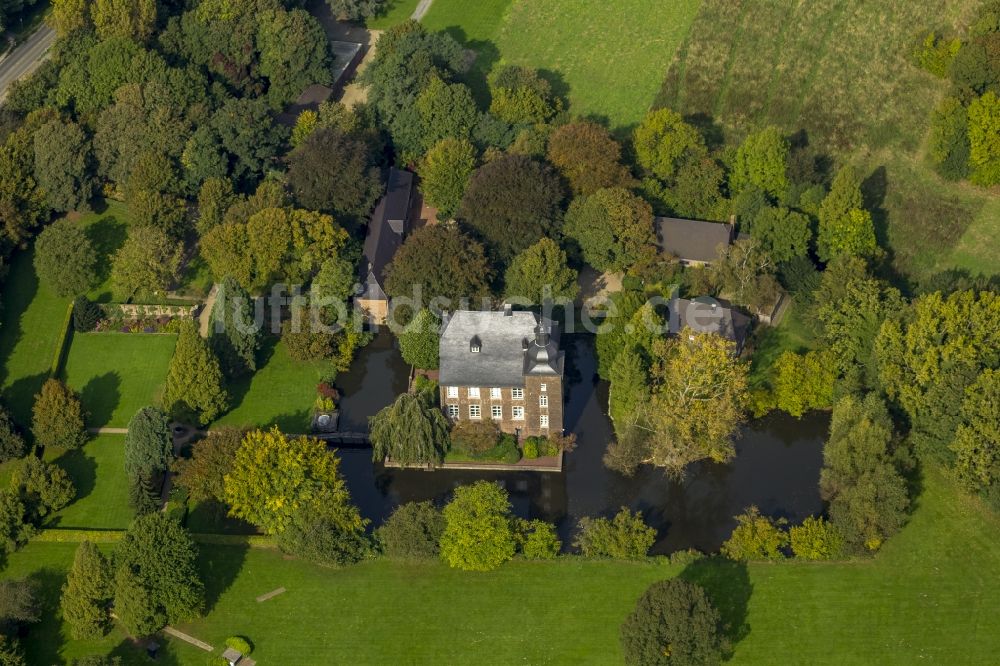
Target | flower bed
(130,318)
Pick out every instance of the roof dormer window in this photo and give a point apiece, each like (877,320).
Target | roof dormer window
(475,344)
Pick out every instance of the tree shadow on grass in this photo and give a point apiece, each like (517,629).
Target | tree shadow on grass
(82,471)
(133,651)
(107,235)
(100,397)
(45,638)
(219,567)
(727,584)
(20,396)
(297,422)
(20,289)
(238,387)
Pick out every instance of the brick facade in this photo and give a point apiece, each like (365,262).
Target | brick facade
(531,424)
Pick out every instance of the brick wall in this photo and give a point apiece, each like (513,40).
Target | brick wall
(531,403)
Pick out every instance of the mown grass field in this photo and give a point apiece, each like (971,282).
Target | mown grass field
(930,595)
(607,58)
(280,393)
(396,11)
(98,473)
(29,332)
(116,374)
(838,73)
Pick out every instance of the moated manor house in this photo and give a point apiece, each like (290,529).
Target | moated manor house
(505,366)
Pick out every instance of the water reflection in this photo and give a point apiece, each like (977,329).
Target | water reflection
(776,467)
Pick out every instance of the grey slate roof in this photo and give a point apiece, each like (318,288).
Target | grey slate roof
(692,240)
(709,315)
(385,234)
(509,348)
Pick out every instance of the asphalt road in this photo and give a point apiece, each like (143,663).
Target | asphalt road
(25,58)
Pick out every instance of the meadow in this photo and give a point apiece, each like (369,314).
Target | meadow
(836,74)
(929,595)
(607,58)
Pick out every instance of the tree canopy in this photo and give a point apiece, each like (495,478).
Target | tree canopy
(613,227)
(65,259)
(673,623)
(195,386)
(410,430)
(587,157)
(439,261)
(511,203)
(445,172)
(478,533)
(273,476)
(540,273)
(57,417)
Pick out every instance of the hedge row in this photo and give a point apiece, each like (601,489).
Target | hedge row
(62,345)
(56,535)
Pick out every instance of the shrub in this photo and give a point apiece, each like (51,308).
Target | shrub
(239,644)
(530,448)
(816,539)
(475,437)
(507,450)
(86,314)
(538,540)
(755,537)
(624,537)
(673,623)
(413,530)
(326,535)
(934,53)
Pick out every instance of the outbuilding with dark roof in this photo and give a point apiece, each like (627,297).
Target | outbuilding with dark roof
(693,242)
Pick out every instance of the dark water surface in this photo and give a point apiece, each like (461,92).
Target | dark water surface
(776,467)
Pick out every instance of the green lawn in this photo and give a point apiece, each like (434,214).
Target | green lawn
(397,11)
(792,333)
(607,58)
(837,74)
(29,332)
(98,472)
(116,374)
(932,595)
(281,392)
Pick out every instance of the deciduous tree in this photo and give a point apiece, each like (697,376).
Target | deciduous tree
(63,165)
(541,273)
(802,382)
(410,430)
(587,157)
(57,417)
(65,260)
(755,537)
(613,227)
(148,262)
(274,475)
(816,539)
(845,227)
(663,142)
(624,537)
(203,474)
(439,260)
(761,162)
(445,172)
(673,623)
(511,203)
(333,171)
(782,233)
(447,110)
(984,139)
(861,476)
(11,441)
(44,488)
(977,439)
(135,19)
(478,533)
(157,579)
(419,340)
(412,531)
(518,95)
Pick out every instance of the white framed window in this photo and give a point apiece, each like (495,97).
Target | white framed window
(517,393)
(496,394)
(475,412)
(473,392)
(543,401)
(543,420)
(517,413)
(453,411)
(543,388)
(497,411)
(452,391)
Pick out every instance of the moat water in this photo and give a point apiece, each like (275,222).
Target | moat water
(776,468)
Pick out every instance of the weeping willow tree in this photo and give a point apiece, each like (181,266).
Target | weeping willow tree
(410,430)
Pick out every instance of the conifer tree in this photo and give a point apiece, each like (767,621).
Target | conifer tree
(86,597)
(194,379)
